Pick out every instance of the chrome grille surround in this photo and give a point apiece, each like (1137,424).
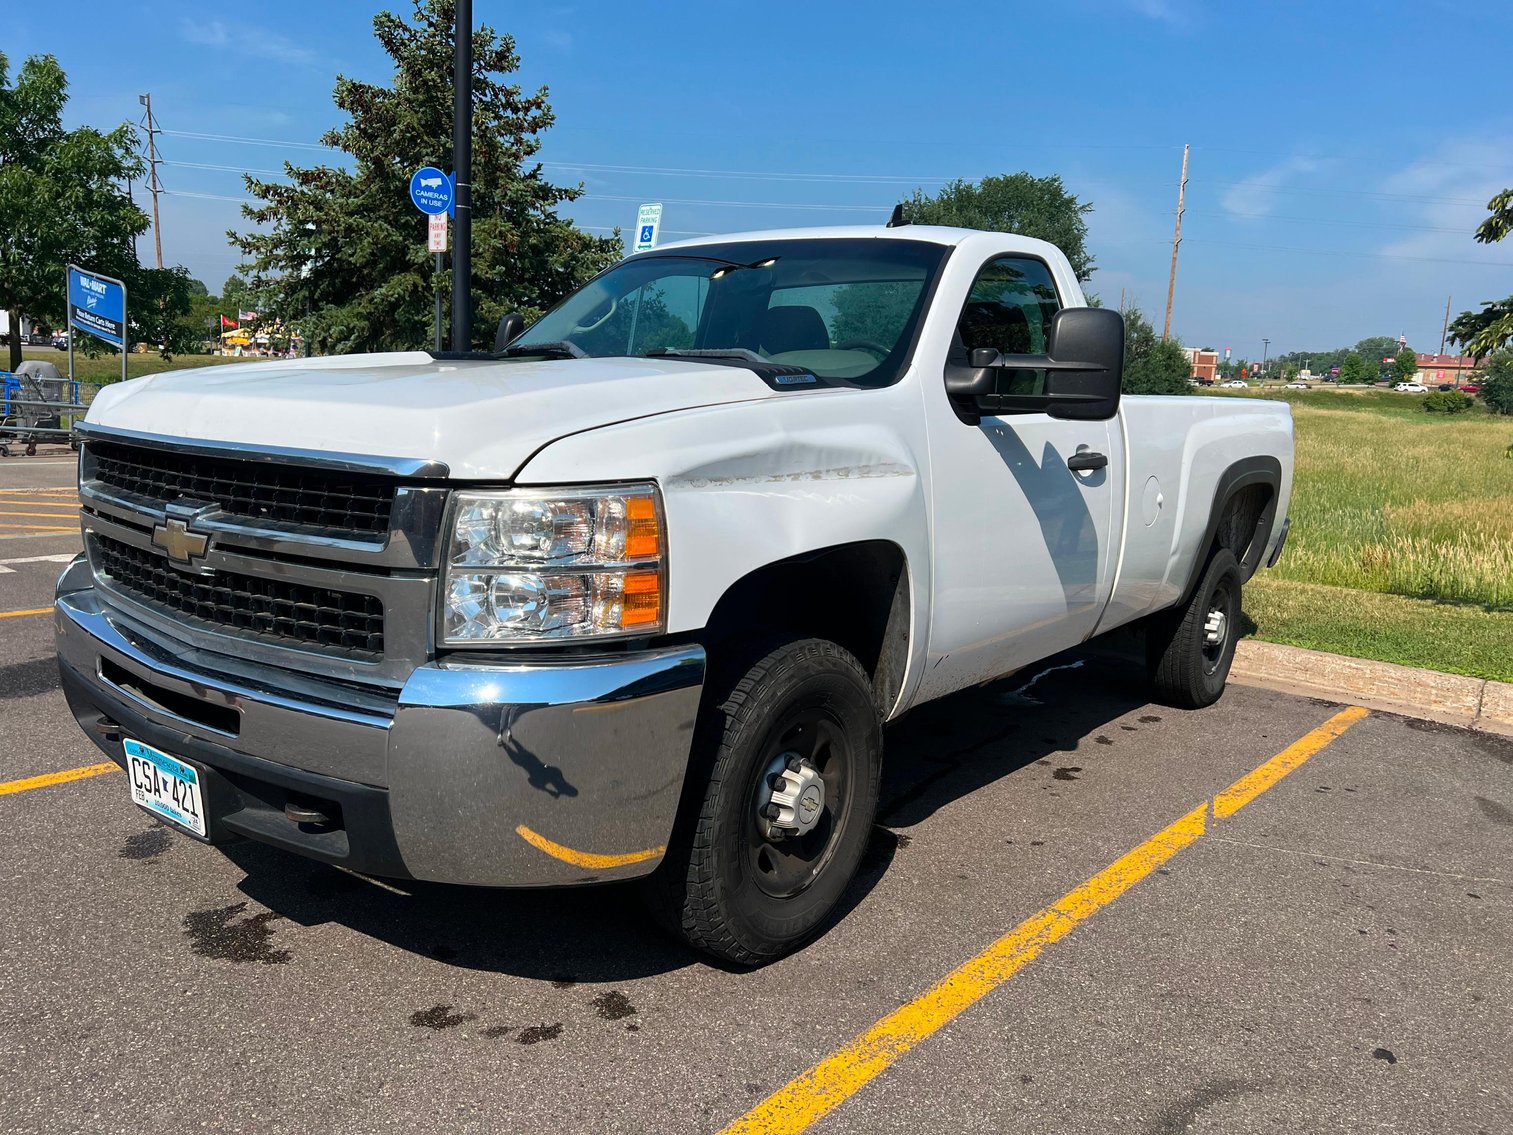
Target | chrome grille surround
(393,573)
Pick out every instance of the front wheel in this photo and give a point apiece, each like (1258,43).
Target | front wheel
(767,848)
(1190,648)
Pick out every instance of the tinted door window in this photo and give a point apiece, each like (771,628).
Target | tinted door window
(1009,309)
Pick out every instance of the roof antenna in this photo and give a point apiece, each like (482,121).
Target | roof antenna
(897,219)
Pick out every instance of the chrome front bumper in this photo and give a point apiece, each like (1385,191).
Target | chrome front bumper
(545,772)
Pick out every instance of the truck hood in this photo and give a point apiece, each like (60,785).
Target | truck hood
(482,418)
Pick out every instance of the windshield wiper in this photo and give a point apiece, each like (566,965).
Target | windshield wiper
(714,353)
(553,348)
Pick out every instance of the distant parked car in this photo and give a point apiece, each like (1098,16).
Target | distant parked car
(1470,388)
(1296,386)
(1237,384)
(1410,388)
(1446,386)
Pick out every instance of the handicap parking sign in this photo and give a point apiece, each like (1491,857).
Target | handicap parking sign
(648,220)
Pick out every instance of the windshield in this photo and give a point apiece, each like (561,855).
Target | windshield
(843,309)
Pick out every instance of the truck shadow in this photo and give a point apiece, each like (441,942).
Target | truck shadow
(938,754)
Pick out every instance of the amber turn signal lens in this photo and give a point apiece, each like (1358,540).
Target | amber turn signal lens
(643,536)
(642,602)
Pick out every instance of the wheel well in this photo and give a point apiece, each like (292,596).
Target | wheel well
(855,595)
(1245,525)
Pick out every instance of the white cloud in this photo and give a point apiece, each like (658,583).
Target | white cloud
(1447,190)
(1164,11)
(246,41)
(1257,195)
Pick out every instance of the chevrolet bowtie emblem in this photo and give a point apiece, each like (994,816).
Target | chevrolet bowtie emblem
(180,543)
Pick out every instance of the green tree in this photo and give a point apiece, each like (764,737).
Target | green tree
(62,197)
(1405,365)
(1152,365)
(1491,328)
(348,246)
(1019,203)
(161,305)
(1497,383)
(1355,369)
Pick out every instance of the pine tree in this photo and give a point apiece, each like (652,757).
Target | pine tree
(348,247)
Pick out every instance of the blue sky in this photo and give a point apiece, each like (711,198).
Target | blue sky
(1342,152)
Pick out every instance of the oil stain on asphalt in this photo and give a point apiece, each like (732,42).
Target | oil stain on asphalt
(146,845)
(439,1017)
(1068,773)
(613,1006)
(214,934)
(537,1033)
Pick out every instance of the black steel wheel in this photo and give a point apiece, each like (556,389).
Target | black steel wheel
(770,840)
(1190,648)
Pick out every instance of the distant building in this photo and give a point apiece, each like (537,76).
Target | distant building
(1205,364)
(1445,368)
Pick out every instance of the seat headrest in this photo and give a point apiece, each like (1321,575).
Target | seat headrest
(795,328)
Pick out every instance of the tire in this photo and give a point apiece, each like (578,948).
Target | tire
(727,885)
(1187,668)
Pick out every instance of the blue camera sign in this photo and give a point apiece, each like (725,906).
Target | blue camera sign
(431,191)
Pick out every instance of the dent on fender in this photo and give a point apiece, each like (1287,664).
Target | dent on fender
(794,464)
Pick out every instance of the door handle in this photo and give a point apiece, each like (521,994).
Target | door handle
(1086,461)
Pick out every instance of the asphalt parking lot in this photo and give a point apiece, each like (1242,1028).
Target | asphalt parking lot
(1332,956)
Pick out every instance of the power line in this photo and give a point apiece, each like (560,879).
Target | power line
(1257,185)
(1332,221)
(851,178)
(739,204)
(249,141)
(1343,252)
(223,169)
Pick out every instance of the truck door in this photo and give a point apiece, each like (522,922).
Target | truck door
(1024,548)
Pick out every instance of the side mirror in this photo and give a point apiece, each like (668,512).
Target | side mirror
(1084,364)
(510,328)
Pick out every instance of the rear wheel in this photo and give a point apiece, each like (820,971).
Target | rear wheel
(769,842)
(1189,649)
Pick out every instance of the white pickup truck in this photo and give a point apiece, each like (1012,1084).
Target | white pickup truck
(635,595)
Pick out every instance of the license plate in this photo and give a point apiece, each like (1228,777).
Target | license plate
(165,786)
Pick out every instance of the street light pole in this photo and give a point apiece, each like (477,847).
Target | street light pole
(1265,350)
(462,155)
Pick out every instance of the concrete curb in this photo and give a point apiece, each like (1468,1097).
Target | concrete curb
(1475,703)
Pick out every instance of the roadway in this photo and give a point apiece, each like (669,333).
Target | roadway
(1080,912)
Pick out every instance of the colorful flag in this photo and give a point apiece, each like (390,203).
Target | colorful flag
(225,323)
(246,315)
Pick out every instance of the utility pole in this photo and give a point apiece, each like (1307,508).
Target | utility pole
(1445,333)
(1265,353)
(462,155)
(153,185)
(1171,284)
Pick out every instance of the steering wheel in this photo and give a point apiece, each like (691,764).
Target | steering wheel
(877,349)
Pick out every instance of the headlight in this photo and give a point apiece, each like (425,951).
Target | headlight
(525,565)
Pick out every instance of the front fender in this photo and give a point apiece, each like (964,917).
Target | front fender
(747,485)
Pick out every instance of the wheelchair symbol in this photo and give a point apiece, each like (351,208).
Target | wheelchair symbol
(646,234)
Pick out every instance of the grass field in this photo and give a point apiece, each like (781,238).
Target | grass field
(107,368)
(1413,509)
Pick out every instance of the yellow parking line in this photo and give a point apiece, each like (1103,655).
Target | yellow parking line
(587,859)
(838,1077)
(43,527)
(29,492)
(29,611)
(48,515)
(48,779)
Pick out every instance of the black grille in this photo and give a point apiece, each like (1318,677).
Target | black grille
(355,505)
(292,614)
